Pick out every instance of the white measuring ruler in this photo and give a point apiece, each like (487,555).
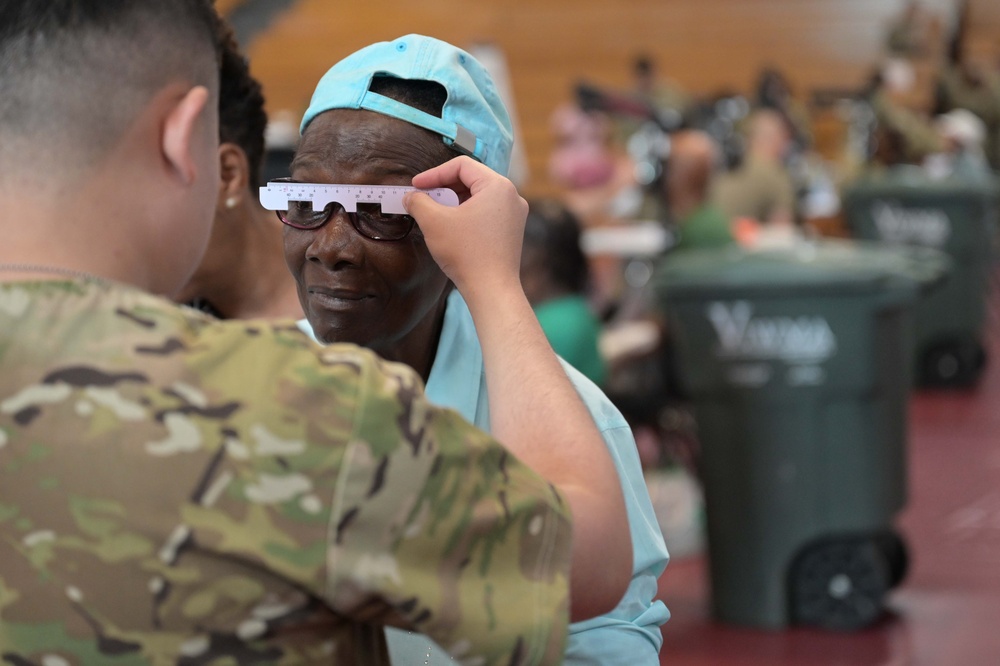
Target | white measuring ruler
(277,195)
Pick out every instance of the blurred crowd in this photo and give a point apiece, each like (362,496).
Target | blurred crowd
(656,169)
(653,168)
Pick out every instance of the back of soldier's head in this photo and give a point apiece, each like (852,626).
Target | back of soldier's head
(74,74)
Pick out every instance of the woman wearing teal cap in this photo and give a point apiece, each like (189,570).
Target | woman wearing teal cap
(379,117)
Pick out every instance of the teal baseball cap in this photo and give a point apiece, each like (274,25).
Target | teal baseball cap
(474,120)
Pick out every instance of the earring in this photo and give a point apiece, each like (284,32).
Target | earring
(231,202)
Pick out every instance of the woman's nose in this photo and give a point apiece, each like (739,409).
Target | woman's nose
(336,243)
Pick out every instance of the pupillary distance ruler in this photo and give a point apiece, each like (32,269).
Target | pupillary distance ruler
(277,195)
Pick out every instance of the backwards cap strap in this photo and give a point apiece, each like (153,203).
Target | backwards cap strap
(453,133)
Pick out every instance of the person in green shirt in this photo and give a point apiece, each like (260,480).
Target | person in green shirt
(554,274)
(688,177)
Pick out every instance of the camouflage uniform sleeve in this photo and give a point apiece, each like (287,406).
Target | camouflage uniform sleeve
(463,542)
(984,101)
(919,135)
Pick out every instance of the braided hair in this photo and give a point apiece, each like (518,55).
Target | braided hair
(242,119)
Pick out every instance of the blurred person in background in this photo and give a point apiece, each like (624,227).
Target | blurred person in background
(760,188)
(555,278)
(908,34)
(965,83)
(596,181)
(583,157)
(243,273)
(908,133)
(773,91)
(669,102)
(690,169)
(962,156)
(975,89)
(378,117)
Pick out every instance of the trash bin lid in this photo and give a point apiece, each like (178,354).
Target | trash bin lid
(911,179)
(805,267)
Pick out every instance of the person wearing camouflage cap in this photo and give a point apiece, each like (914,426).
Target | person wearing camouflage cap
(179,490)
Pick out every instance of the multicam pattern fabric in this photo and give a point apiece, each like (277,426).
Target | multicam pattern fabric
(629,634)
(178,490)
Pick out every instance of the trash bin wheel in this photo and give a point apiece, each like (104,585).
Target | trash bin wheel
(840,585)
(953,364)
(897,556)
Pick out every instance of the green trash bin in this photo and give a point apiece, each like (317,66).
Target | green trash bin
(796,365)
(958,216)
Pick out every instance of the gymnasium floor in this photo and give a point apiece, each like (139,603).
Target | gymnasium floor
(947,611)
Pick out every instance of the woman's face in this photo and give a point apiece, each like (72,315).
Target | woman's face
(385,295)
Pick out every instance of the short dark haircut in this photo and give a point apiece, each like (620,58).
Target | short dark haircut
(242,118)
(554,232)
(74,74)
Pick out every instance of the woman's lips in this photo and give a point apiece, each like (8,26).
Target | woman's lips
(337,298)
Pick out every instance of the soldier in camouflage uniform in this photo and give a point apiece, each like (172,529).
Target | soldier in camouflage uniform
(178,490)
(972,87)
(174,489)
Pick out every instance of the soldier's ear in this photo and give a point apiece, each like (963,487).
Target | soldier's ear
(178,136)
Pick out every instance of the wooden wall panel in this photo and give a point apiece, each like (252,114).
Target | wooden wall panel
(224,7)
(705,45)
